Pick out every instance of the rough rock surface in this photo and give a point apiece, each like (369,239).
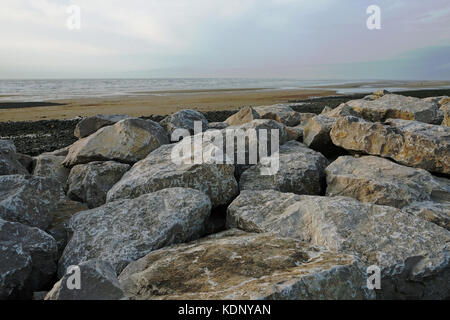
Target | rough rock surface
(301,171)
(26,161)
(158,171)
(438,213)
(413,254)
(280,113)
(28,260)
(50,166)
(184,119)
(90,182)
(128,141)
(89,125)
(239,265)
(98,281)
(446,111)
(9,161)
(29,199)
(316,135)
(218,125)
(381,181)
(295,133)
(305,117)
(125,230)
(411,143)
(244,115)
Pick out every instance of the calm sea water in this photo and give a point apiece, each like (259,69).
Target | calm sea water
(41,90)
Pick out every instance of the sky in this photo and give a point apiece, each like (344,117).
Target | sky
(303,39)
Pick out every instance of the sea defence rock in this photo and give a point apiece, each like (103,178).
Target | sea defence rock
(184,119)
(445,109)
(412,254)
(127,141)
(28,260)
(305,117)
(301,171)
(381,181)
(295,133)
(159,171)
(217,125)
(316,135)
(411,143)
(244,115)
(90,182)
(9,160)
(26,161)
(280,113)
(438,213)
(125,230)
(239,265)
(89,125)
(29,199)
(397,106)
(98,281)
(50,166)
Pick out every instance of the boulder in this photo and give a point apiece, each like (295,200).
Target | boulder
(239,265)
(295,133)
(217,125)
(438,213)
(280,113)
(316,135)
(90,182)
(29,199)
(28,260)
(50,166)
(9,159)
(125,230)
(26,161)
(343,110)
(411,143)
(301,171)
(127,141)
(98,281)
(412,254)
(89,125)
(184,119)
(381,181)
(445,109)
(244,115)
(305,117)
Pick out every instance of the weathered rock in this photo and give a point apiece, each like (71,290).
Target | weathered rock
(305,117)
(28,260)
(159,171)
(128,141)
(89,125)
(29,199)
(438,213)
(381,181)
(244,115)
(50,166)
(9,160)
(301,171)
(217,125)
(295,133)
(441,100)
(411,143)
(26,161)
(280,113)
(239,265)
(125,230)
(184,119)
(98,281)
(90,182)
(413,254)
(59,152)
(343,110)
(446,112)
(316,135)
(397,106)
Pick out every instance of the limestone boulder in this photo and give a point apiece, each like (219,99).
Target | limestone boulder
(436,212)
(281,113)
(244,115)
(445,109)
(316,135)
(295,133)
(50,166)
(184,119)
(89,125)
(9,159)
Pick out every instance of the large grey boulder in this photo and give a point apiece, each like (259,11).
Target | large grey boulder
(316,135)
(47,165)
(27,260)
(411,143)
(184,119)
(412,254)
(281,113)
(98,281)
(9,159)
(90,182)
(127,141)
(29,199)
(244,115)
(239,265)
(436,212)
(300,170)
(89,125)
(381,181)
(125,230)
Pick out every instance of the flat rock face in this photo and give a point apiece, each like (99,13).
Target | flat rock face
(28,260)
(158,171)
(9,160)
(89,125)
(98,281)
(29,199)
(244,115)
(397,106)
(123,231)
(301,171)
(411,143)
(280,113)
(127,141)
(438,213)
(413,254)
(90,182)
(184,119)
(238,265)
(51,166)
(316,135)
(381,181)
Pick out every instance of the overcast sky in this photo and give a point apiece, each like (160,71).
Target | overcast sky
(314,39)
